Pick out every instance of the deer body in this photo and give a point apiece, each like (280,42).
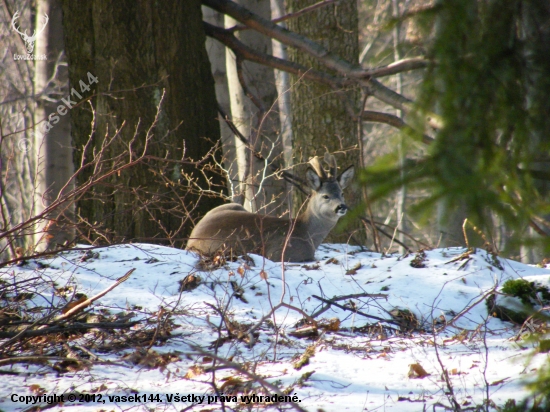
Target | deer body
(292,240)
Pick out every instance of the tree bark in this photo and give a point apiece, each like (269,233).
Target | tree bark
(52,145)
(401,198)
(536,31)
(321,121)
(138,52)
(216,54)
(282,83)
(252,110)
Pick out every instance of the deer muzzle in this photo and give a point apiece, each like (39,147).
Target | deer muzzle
(341,209)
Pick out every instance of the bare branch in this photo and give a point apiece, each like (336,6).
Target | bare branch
(422,244)
(240,49)
(304,10)
(330,302)
(392,120)
(399,66)
(68,328)
(240,369)
(37,360)
(289,177)
(330,60)
(345,297)
(87,302)
(271,312)
(381,92)
(289,16)
(281,34)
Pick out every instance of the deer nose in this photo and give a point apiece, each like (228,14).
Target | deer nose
(341,209)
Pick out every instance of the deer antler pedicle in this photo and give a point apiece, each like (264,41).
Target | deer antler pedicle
(331,161)
(315,164)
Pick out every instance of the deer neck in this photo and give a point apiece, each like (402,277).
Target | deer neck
(314,226)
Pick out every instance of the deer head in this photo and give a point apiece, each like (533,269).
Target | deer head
(327,199)
(29,40)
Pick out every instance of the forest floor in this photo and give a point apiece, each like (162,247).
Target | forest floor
(353,330)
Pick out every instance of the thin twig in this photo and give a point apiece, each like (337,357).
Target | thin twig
(68,328)
(352,296)
(87,302)
(40,360)
(289,177)
(424,245)
(330,302)
(239,368)
(271,312)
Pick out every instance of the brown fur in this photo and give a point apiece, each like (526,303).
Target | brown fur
(230,226)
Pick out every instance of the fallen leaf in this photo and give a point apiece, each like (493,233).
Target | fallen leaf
(332,325)
(194,371)
(74,303)
(231,386)
(189,282)
(416,371)
(35,388)
(354,269)
(499,382)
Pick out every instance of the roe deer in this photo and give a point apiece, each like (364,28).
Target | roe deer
(230,226)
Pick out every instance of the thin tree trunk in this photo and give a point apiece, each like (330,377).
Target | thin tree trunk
(252,110)
(216,55)
(282,83)
(401,200)
(52,138)
(241,114)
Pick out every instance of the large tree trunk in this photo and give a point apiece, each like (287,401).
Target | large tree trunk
(320,119)
(52,145)
(138,51)
(536,31)
(260,190)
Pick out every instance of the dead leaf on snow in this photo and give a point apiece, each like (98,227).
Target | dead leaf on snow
(416,371)
(499,382)
(232,386)
(35,388)
(189,282)
(354,269)
(194,371)
(74,303)
(331,325)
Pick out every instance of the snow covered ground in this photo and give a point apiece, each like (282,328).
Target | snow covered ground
(356,363)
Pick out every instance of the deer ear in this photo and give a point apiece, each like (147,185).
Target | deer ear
(346,176)
(313,179)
